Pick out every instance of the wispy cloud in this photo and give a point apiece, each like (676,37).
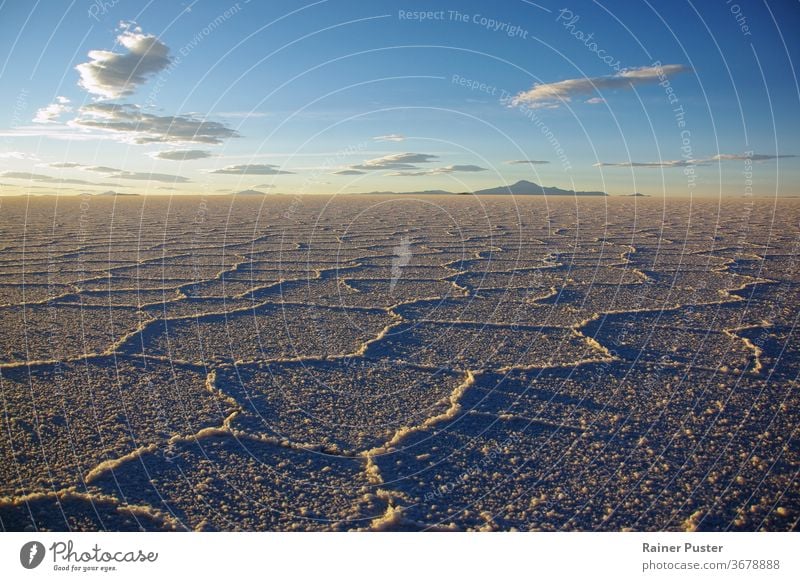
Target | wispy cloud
(663,163)
(135,175)
(743,156)
(527,162)
(396,161)
(66,164)
(111,75)
(132,124)
(552,94)
(182,154)
(390,137)
(18,155)
(439,170)
(53,111)
(349,172)
(261,169)
(67,132)
(667,163)
(35,177)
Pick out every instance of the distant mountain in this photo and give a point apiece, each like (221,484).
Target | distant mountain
(638,195)
(521,188)
(113,193)
(526,188)
(249,193)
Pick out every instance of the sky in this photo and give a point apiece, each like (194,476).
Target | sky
(332,96)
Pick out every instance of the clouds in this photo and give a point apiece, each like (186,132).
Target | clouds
(182,154)
(66,164)
(111,75)
(256,169)
(405,165)
(396,161)
(129,121)
(439,170)
(526,162)
(552,94)
(111,172)
(668,163)
(662,164)
(18,155)
(134,175)
(53,111)
(750,156)
(35,177)
(24,175)
(390,137)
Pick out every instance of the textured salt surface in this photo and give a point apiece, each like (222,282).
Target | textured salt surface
(589,364)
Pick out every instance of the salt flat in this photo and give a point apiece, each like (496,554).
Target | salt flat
(371,363)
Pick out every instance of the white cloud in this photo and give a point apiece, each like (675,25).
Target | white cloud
(397,161)
(663,164)
(134,175)
(53,111)
(743,156)
(35,177)
(526,162)
(390,137)
(66,132)
(439,170)
(111,75)
(261,169)
(17,155)
(25,175)
(595,100)
(66,164)
(182,154)
(696,162)
(551,94)
(132,124)
(349,172)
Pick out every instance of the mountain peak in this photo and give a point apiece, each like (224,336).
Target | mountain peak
(526,188)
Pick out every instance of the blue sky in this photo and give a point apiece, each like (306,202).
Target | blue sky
(334,96)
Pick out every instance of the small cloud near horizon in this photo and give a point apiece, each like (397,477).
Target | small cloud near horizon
(133,125)
(526,162)
(390,137)
(135,175)
(396,161)
(439,170)
(751,156)
(261,169)
(697,162)
(663,164)
(35,177)
(181,154)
